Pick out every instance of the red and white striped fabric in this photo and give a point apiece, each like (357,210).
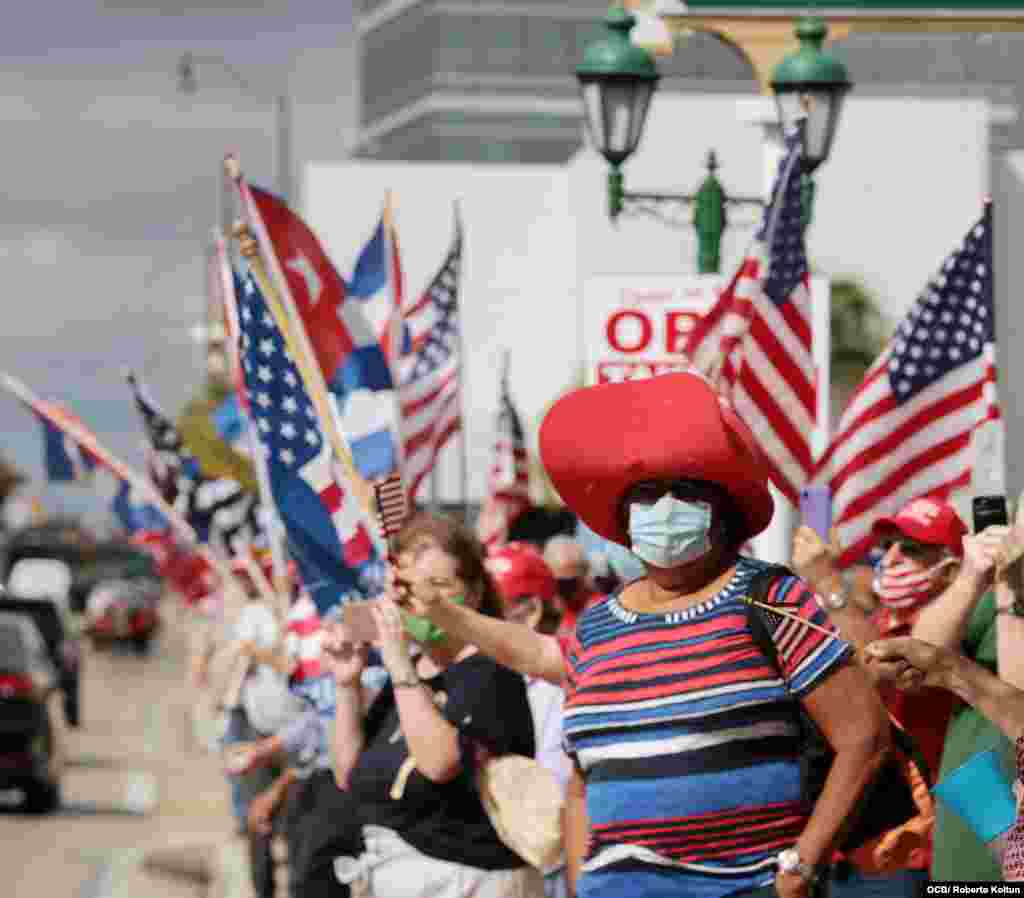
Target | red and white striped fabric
(509,489)
(429,374)
(392,505)
(906,433)
(755,343)
(303,633)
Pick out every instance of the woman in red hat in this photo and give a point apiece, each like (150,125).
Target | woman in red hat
(687,773)
(681,729)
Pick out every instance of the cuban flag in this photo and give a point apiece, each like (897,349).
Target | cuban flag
(336,557)
(346,342)
(66,461)
(377,283)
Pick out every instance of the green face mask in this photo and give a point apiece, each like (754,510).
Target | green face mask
(423,629)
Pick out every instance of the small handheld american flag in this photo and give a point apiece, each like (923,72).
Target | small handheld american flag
(775,613)
(392,509)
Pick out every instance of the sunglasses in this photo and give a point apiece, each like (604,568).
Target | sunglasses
(908,548)
(650,491)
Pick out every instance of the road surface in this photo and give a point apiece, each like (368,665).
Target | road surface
(138,787)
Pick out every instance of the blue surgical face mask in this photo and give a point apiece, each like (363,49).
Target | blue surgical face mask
(670,532)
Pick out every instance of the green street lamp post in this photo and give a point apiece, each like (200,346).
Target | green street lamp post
(617,80)
(810,86)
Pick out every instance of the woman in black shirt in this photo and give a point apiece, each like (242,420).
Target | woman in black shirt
(410,763)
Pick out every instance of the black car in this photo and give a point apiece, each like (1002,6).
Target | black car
(64,653)
(64,542)
(31,754)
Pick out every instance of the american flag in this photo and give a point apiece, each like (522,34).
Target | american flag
(220,510)
(343,336)
(509,488)
(755,343)
(907,429)
(392,505)
(334,553)
(429,375)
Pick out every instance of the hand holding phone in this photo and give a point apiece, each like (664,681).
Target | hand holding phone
(359,622)
(989,511)
(816,509)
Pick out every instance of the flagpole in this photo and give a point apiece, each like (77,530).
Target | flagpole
(259,461)
(110,461)
(289,322)
(396,329)
(298,346)
(463,448)
(206,550)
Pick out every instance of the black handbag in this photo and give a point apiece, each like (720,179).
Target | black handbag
(888,801)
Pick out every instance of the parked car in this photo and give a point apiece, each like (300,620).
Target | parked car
(64,541)
(63,649)
(124,609)
(31,751)
(41,587)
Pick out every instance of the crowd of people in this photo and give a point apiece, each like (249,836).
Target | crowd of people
(675,699)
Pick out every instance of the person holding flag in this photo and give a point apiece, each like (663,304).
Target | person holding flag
(651,794)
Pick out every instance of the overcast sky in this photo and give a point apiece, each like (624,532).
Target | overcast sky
(109,183)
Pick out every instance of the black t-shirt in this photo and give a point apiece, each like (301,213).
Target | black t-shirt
(488,705)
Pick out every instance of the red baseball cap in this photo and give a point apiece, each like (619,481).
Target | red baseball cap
(599,441)
(928,521)
(518,569)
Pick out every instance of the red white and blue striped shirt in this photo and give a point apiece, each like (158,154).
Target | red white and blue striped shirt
(687,736)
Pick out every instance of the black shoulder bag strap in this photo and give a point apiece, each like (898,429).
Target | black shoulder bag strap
(888,801)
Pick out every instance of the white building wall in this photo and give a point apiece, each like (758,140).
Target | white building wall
(518,274)
(1008,225)
(905,181)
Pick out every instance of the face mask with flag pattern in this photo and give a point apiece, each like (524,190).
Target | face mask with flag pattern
(905,584)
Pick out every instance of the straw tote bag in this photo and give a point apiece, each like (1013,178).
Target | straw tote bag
(523,801)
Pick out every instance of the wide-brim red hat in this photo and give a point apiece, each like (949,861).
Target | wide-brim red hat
(599,441)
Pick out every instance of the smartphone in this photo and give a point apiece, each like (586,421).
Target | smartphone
(816,509)
(989,511)
(359,622)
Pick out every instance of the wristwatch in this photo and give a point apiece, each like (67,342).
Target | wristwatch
(790,862)
(834,601)
(1014,608)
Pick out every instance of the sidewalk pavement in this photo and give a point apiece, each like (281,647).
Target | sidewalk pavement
(186,847)
(198,866)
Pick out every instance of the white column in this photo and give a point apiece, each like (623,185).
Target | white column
(996,446)
(775,543)
(1007,183)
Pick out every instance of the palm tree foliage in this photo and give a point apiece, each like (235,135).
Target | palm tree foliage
(859,331)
